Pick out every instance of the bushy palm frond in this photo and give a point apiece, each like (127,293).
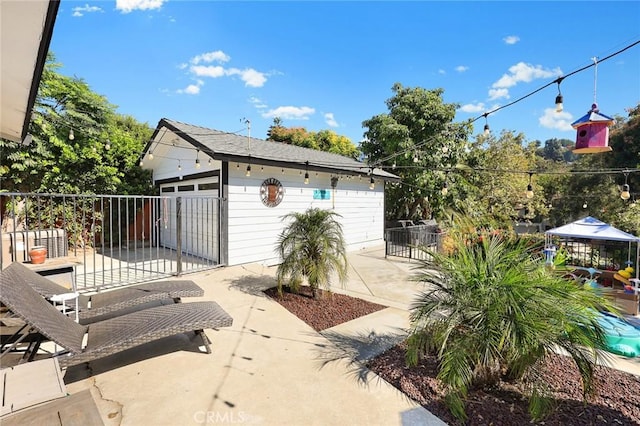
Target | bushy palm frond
(311,247)
(491,309)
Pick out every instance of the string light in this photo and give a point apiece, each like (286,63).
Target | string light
(529,192)
(584,205)
(625,195)
(71,135)
(197,159)
(445,188)
(486,131)
(248,172)
(372,183)
(559,100)
(179,166)
(306,173)
(150,155)
(107,145)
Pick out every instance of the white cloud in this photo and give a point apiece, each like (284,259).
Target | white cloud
(441,71)
(257,102)
(498,94)
(462,68)
(192,89)
(330,120)
(472,108)
(556,120)
(213,71)
(290,113)
(526,73)
(126,6)
(217,56)
(251,77)
(512,39)
(81,10)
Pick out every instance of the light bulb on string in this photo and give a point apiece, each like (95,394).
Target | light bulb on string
(209,161)
(624,194)
(445,188)
(306,173)
(559,100)
(141,163)
(248,172)
(529,192)
(372,183)
(107,145)
(71,135)
(150,155)
(197,159)
(179,166)
(486,131)
(584,205)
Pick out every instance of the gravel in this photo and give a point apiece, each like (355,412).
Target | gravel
(617,399)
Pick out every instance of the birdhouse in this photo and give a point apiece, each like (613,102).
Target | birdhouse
(592,132)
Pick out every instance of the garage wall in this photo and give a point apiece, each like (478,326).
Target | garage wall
(253,228)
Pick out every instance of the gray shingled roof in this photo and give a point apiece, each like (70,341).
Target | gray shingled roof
(231,147)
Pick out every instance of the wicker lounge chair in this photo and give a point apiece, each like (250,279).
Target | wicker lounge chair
(109,336)
(107,302)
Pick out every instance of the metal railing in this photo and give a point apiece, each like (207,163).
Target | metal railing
(114,239)
(413,242)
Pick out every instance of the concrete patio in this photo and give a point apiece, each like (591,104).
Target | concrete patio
(269,368)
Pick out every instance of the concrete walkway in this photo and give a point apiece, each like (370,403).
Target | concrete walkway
(269,368)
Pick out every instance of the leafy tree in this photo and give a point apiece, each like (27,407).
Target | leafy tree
(558,150)
(311,247)
(497,180)
(418,141)
(80,144)
(493,312)
(324,140)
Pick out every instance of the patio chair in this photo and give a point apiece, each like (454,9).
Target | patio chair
(95,305)
(109,336)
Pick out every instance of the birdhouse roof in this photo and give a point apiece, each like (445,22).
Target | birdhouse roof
(593,117)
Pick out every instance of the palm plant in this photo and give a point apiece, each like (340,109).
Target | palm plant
(492,311)
(311,247)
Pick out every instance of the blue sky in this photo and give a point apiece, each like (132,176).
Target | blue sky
(331,65)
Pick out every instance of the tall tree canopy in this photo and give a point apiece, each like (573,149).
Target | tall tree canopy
(497,179)
(418,141)
(80,144)
(324,140)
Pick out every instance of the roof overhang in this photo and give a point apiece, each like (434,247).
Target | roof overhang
(26,28)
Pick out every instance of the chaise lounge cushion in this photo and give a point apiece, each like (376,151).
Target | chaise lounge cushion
(110,301)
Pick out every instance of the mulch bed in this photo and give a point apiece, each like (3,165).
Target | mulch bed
(330,310)
(617,400)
